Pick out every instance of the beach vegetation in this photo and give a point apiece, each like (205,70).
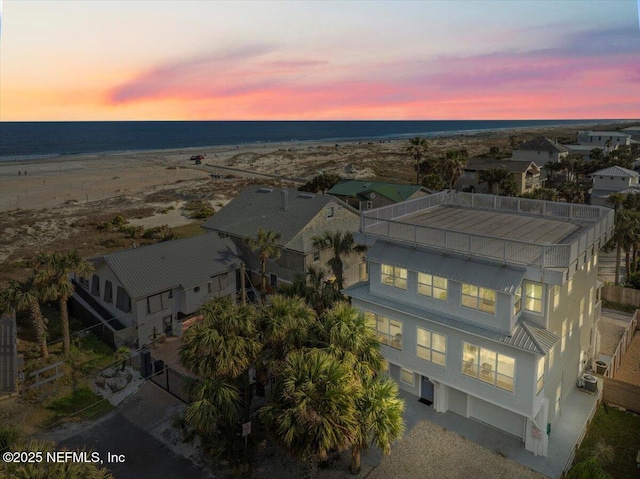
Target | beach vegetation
(342,245)
(188,230)
(266,244)
(199,209)
(160,233)
(494,178)
(433,182)
(322,182)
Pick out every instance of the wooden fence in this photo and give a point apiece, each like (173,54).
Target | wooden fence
(622,394)
(40,380)
(620,295)
(625,341)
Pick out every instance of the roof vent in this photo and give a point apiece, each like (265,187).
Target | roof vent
(305,195)
(265,190)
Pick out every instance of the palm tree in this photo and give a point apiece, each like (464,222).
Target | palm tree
(56,271)
(493,176)
(379,418)
(352,340)
(572,193)
(265,242)
(452,166)
(341,243)
(215,404)
(616,200)
(417,149)
(317,292)
(23,296)
(624,236)
(284,325)
(313,410)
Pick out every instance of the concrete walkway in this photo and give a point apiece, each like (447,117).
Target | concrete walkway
(562,439)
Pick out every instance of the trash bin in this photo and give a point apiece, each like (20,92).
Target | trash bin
(590,382)
(145,359)
(158,366)
(601,367)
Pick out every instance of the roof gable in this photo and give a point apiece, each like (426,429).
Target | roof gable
(616,171)
(358,188)
(541,143)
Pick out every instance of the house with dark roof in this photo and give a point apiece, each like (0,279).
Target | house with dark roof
(634,131)
(540,150)
(487,307)
(614,179)
(525,173)
(151,289)
(365,195)
(298,217)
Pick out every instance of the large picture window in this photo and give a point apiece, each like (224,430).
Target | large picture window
(517,301)
(533,297)
(488,366)
(123,301)
(388,331)
(394,276)
(108,292)
(431,346)
(433,286)
(159,302)
(479,298)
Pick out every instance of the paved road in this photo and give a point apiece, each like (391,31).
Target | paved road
(125,431)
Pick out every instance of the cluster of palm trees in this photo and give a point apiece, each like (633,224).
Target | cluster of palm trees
(626,235)
(49,281)
(326,392)
(437,172)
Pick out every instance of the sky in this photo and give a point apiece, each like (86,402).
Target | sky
(85,60)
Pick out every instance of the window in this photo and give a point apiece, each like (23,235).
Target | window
(434,286)
(488,366)
(123,301)
(581,316)
(394,276)
(589,266)
(552,356)
(431,347)
(369,205)
(540,379)
(196,289)
(555,297)
(517,301)
(533,297)
(316,256)
(108,292)
(563,339)
(569,286)
(595,260)
(95,285)
(158,302)
(84,282)
(558,396)
(571,327)
(591,294)
(479,298)
(219,283)
(331,212)
(389,332)
(407,376)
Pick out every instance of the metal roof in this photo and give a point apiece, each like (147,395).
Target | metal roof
(182,263)
(524,335)
(500,278)
(286,211)
(615,171)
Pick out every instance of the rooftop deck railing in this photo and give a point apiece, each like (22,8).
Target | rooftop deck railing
(388,223)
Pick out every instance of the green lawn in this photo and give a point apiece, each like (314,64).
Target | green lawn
(618,429)
(83,401)
(188,230)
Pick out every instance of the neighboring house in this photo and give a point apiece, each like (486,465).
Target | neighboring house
(150,289)
(365,195)
(614,179)
(634,131)
(612,139)
(486,306)
(582,150)
(298,217)
(540,150)
(525,173)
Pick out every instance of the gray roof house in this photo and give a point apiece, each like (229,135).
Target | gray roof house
(150,289)
(540,150)
(298,217)
(614,179)
(603,138)
(487,306)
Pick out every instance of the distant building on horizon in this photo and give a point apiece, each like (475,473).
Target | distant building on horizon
(525,173)
(365,195)
(609,139)
(540,150)
(614,179)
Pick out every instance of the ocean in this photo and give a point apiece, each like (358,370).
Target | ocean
(36,140)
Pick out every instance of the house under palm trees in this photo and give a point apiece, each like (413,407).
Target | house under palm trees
(614,179)
(298,217)
(525,173)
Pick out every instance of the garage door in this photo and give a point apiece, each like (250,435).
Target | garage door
(496,416)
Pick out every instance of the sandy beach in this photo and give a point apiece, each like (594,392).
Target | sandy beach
(50,204)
